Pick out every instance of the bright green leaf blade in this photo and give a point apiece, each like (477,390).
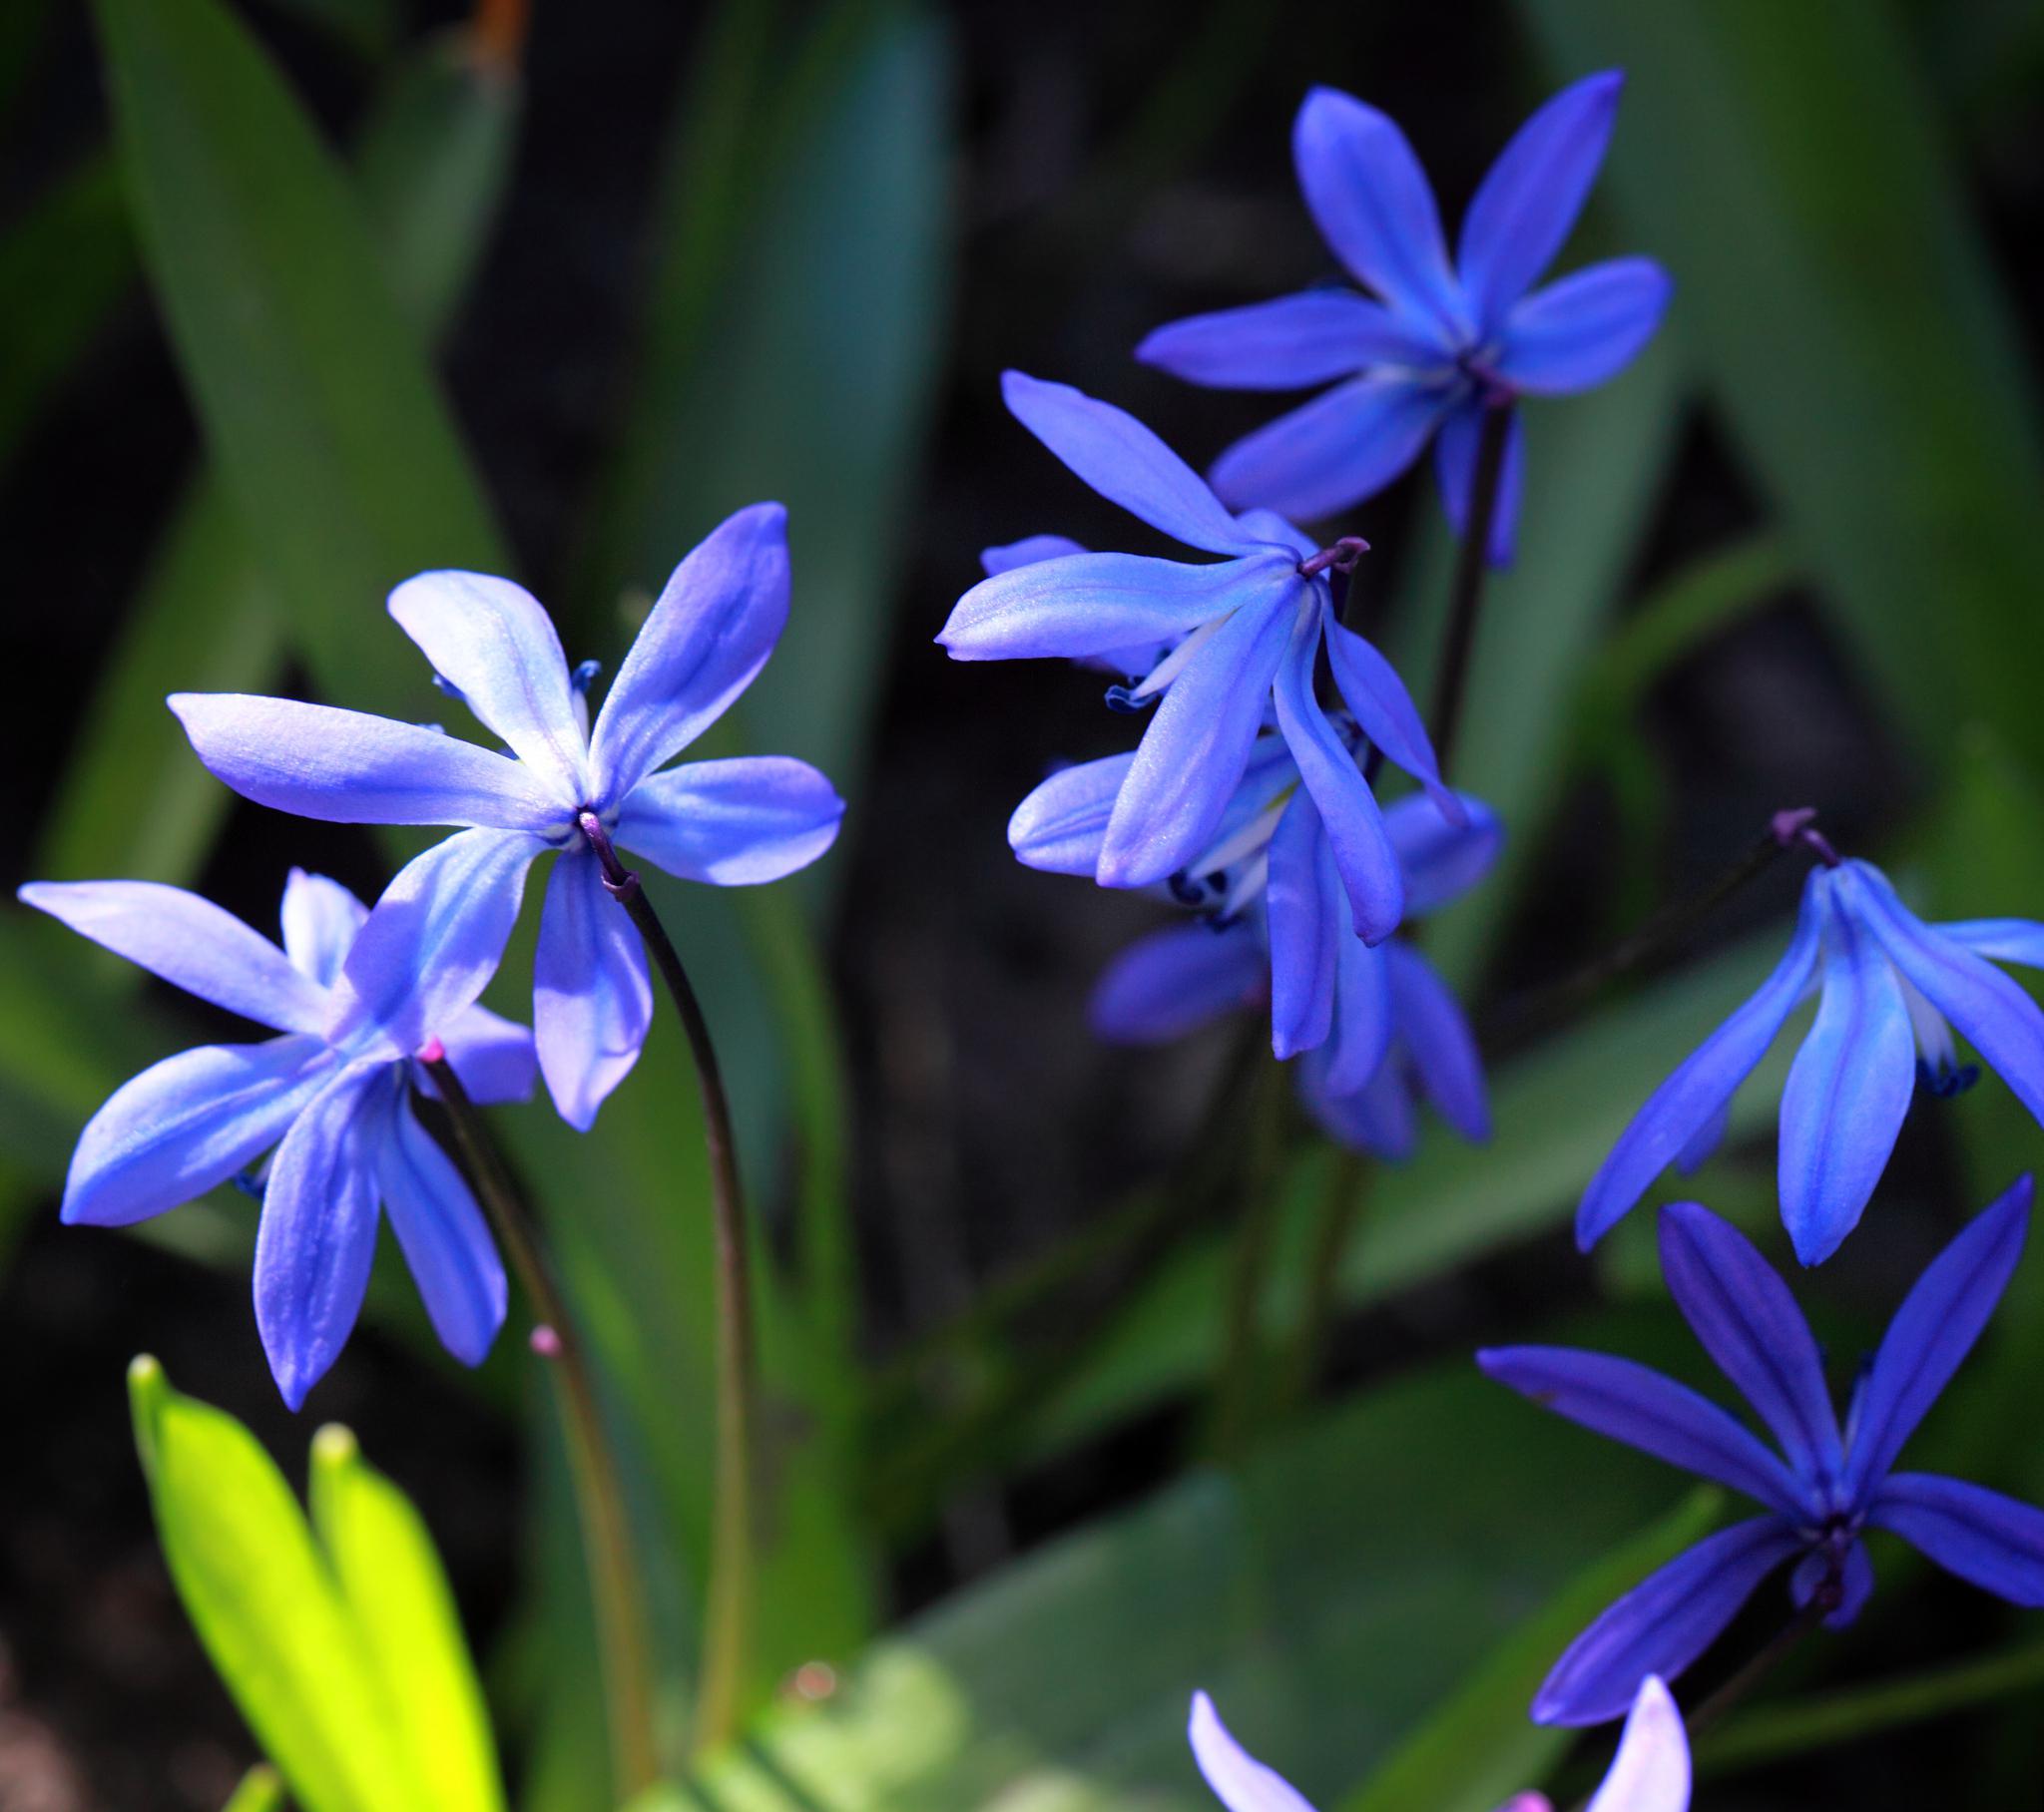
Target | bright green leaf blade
(262,1790)
(391,1578)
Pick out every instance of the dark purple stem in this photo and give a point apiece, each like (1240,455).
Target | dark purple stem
(1472,569)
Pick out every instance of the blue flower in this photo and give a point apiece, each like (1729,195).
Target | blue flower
(1649,1772)
(1892,990)
(1245,630)
(1833,1485)
(335,1105)
(1446,342)
(439,931)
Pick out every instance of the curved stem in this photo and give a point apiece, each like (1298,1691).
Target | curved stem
(1340,1211)
(1238,1383)
(728,1602)
(1465,597)
(615,1588)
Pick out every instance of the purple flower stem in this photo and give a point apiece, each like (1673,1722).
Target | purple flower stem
(1765,1660)
(618,1592)
(728,1611)
(1465,598)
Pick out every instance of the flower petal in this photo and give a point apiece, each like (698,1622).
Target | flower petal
(1239,1781)
(1303,904)
(445,1241)
(1703,1142)
(1990,1541)
(1705,1080)
(1378,1117)
(1110,450)
(1386,715)
(1364,1018)
(709,633)
(492,642)
(1436,1036)
(1531,196)
(735,822)
(1585,330)
(1932,1333)
(433,941)
(1651,1771)
(1349,816)
(319,920)
(187,1123)
(1327,455)
(1026,551)
(1442,859)
(492,1056)
(1175,981)
(1632,1403)
(1663,1623)
(1854,1584)
(192,943)
(1196,750)
(1375,207)
(1089,604)
(592,999)
(1743,1313)
(1455,457)
(1060,826)
(1287,343)
(348,767)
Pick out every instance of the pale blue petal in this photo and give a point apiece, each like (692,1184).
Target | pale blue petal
(1437,1037)
(320,918)
(1331,454)
(1455,457)
(1060,827)
(1651,1771)
(1089,604)
(1585,330)
(2000,940)
(1026,551)
(709,633)
(442,1233)
(1239,1781)
(1287,343)
(1441,859)
(1177,980)
(1384,711)
(493,1056)
(592,999)
(1302,905)
(1990,1541)
(735,822)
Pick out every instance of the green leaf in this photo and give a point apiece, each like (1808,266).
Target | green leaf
(262,1790)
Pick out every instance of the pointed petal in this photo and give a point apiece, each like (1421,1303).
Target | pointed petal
(1651,1771)
(445,1241)
(320,918)
(1442,859)
(318,1235)
(1436,1035)
(1384,710)
(709,633)
(1847,1092)
(493,1056)
(1239,1781)
(1663,1623)
(1578,333)
(1854,1584)
(187,1123)
(433,941)
(1364,1017)
(1196,748)
(496,646)
(1060,827)
(592,999)
(735,822)
(348,767)
(1308,929)
(1088,604)
(1455,457)
(1378,1117)
(1743,1313)
(1932,1333)
(1110,450)
(1690,1099)
(1990,1541)
(1287,343)
(1349,816)
(1327,455)
(1703,1142)
(1026,551)
(1175,981)
(1375,207)
(1631,1403)
(1531,196)
(192,943)
(2000,940)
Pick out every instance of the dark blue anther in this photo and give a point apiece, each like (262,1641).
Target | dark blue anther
(1120,699)
(447,686)
(249,1184)
(1222,921)
(584,673)
(1185,890)
(1944,1082)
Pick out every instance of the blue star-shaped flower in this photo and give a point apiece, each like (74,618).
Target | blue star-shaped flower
(440,929)
(1244,633)
(1892,990)
(1649,1772)
(1446,341)
(1832,1485)
(331,1095)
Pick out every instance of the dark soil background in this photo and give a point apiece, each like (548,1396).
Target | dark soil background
(966,1001)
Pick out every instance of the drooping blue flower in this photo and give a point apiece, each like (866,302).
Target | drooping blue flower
(1649,1772)
(440,929)
(333,1095)
(1244,633)
(1446,342)
(1832,1486)
(1892,990)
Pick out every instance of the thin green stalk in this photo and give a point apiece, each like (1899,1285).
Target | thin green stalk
(1341,1212)
(1238,1383)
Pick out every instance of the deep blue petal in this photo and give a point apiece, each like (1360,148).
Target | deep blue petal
(1854,1584)
(1308,929)
(1636,1405)
(445,1241)
(319,921)
(1456,454)
(1366,1020)
(1060,827)
(592,999)
(1690,1098)
(1932,1333)
(1993,1542)
(1288,343)
(1663,1623)
(1239,1781)
(735,822)
(1175,981)
(1441,859)
(1437,1037)
(1529,200)
(1331,454)
(1379,1117)
(1749,1323)
(1585,330)
(1703,1142)
(1388,716)
(1088,604)
(493,1056)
